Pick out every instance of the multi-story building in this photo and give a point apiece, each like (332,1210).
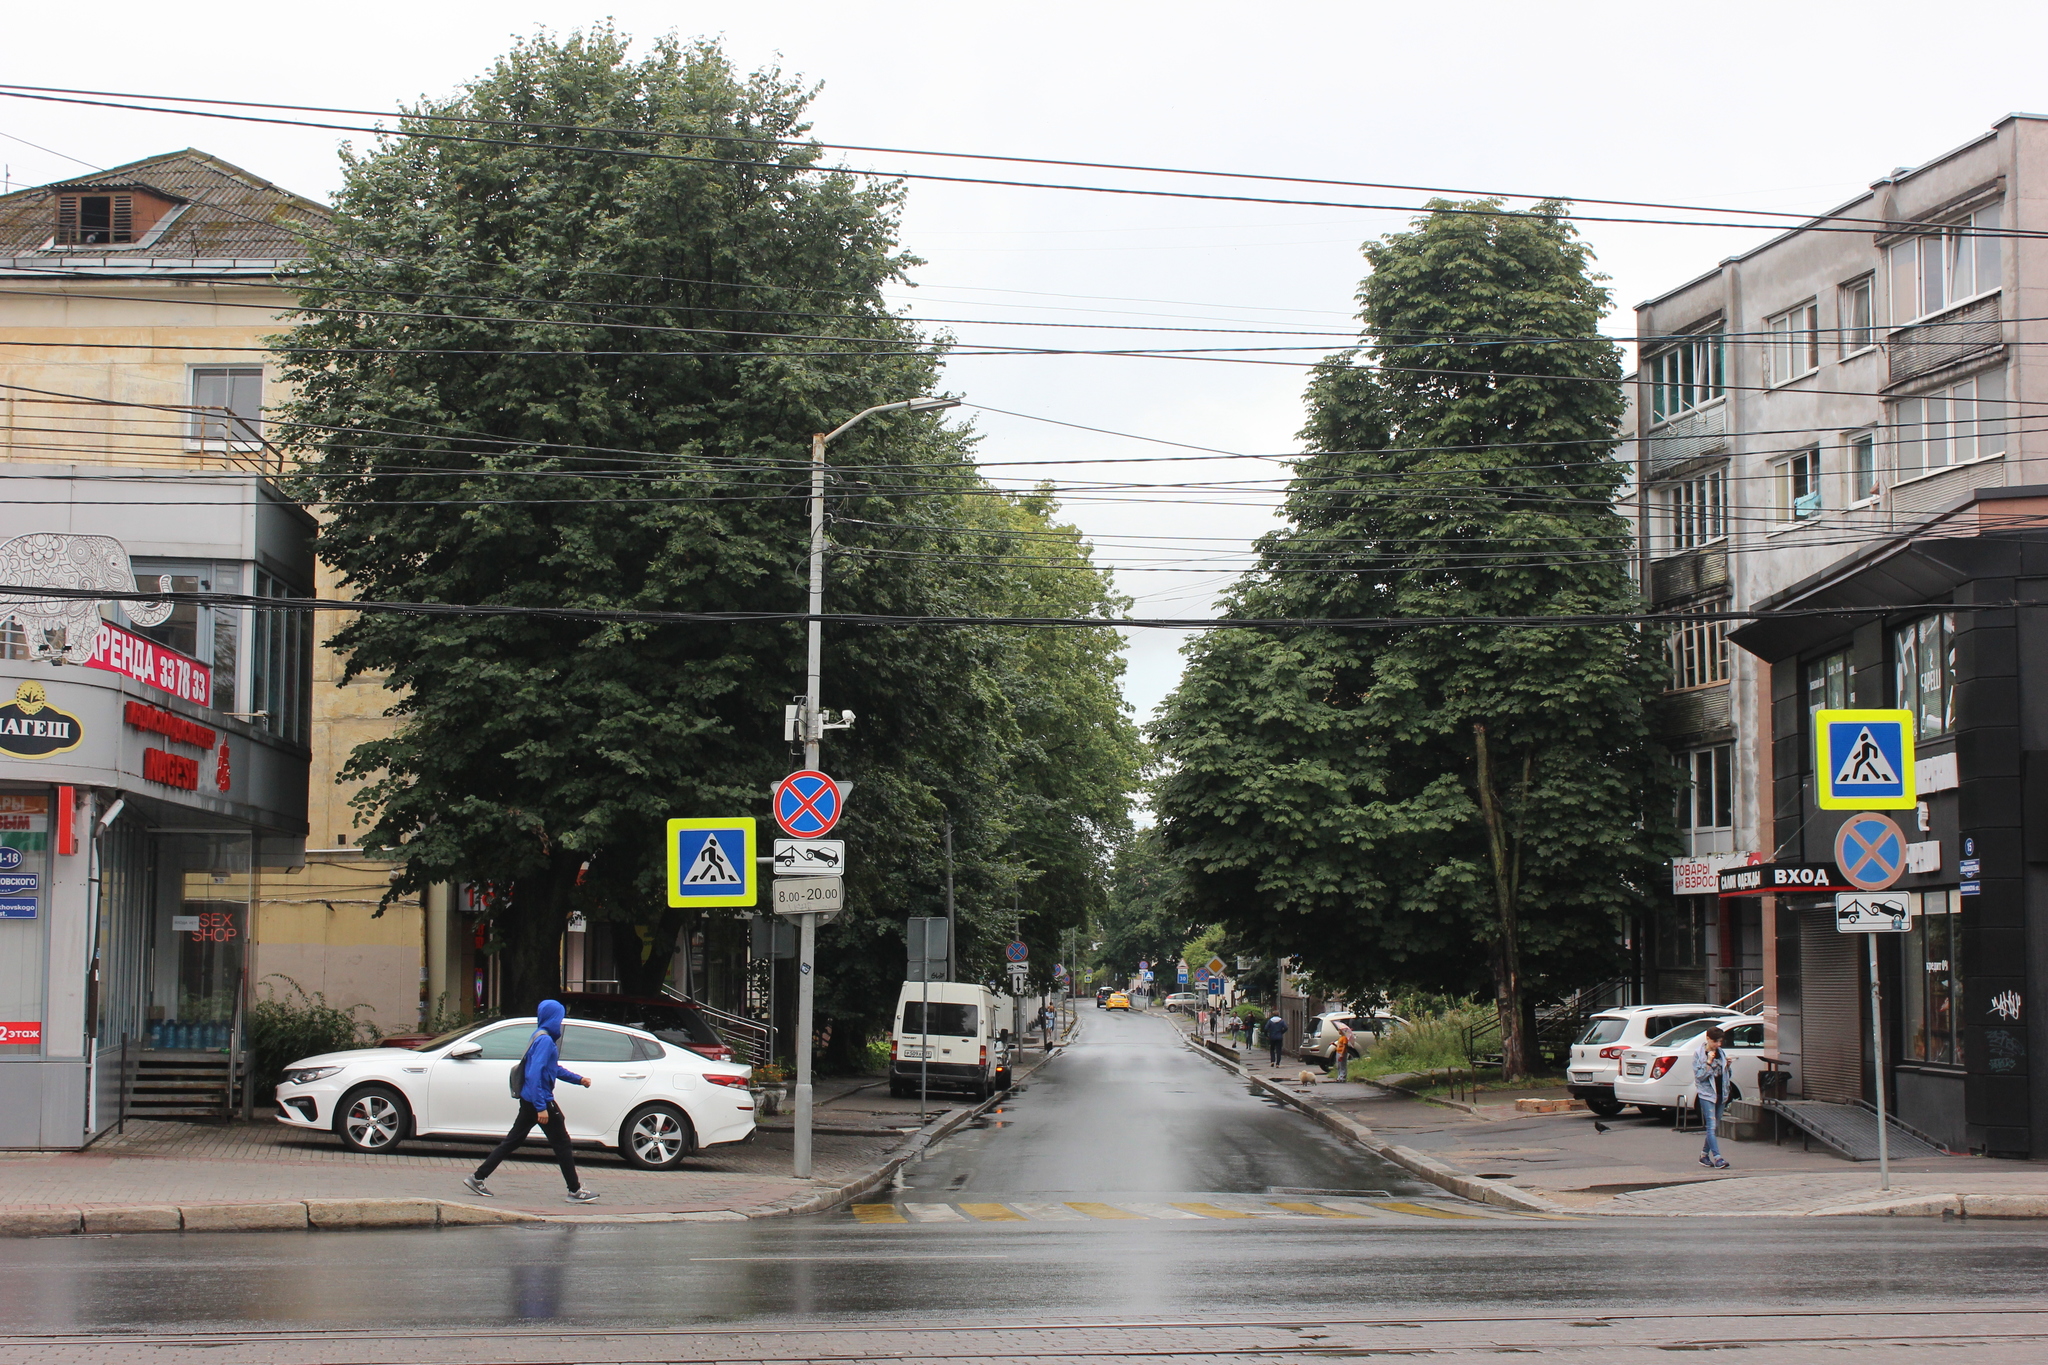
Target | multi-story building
(1834,424)
(160,863)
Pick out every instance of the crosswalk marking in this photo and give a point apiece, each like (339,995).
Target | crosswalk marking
(1102,1210)
(1049,1213)
(1160,1210)
(878,1213)
(935,1213)
(1212,1211)
(1319,1210)
(1423,1210)
(993,1213)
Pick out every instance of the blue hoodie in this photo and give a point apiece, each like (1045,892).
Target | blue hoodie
(544,1058)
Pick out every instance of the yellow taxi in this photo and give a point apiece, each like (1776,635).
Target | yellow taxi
(1117,1001)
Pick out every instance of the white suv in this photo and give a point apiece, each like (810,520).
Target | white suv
(1596,1056)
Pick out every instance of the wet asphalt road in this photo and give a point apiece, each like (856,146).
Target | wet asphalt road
(1126,1115)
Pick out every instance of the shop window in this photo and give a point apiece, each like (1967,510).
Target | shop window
(1924,662)
(280,663)
(25,817)
(1706,802)
(209,634)
(1828,682)
(1932,994)
(1698,648)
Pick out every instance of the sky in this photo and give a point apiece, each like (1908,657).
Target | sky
(1745,106)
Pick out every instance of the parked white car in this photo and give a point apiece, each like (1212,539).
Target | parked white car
(1187,1002)
(655,1103)
(1320,1036)
(1658,1075)
(1596,1056)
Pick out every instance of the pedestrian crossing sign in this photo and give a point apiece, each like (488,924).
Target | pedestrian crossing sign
(1863,760)
(711,861)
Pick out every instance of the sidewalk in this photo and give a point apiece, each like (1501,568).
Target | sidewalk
(858,1132)
(1631,1165)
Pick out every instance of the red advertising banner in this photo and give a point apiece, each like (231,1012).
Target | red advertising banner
(146,661)
(16,1035)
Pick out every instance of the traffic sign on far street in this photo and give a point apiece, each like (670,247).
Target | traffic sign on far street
(807,804)
(711,861)
(1017,952)
(1872,912)
(810,857)
(1216,967)
(1870,850)
(1863,760)
(1183,973)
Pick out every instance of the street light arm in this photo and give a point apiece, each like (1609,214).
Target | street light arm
(907,405)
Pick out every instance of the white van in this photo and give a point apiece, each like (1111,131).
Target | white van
(965,1045)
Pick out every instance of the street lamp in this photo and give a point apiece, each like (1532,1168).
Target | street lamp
(813,727)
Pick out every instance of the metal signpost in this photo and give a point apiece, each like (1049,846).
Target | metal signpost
(928,942)
(1871,851)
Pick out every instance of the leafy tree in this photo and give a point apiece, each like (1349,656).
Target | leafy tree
(1144,920)
(1438,806)
(535,377)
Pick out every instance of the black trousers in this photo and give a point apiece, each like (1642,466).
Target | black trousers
(1273,1048)
(558,1138)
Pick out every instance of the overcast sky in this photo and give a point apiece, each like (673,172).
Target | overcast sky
(1750,106)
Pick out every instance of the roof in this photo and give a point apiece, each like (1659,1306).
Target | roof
(225,220)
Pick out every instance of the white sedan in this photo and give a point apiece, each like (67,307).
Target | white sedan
(654,1102)
(1657,1075)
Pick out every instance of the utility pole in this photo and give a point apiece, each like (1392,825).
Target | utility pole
(813,722)
(950,926)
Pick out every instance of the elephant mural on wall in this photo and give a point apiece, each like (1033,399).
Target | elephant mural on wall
(63,628)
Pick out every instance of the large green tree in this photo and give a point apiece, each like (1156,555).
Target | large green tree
(1457,806)
(564,347)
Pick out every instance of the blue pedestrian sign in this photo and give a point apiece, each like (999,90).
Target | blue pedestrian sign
(1863,760)
(711,862)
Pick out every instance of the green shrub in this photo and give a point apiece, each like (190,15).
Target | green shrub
(1428,1043)
(283,1030)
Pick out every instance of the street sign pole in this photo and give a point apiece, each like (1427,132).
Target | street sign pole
(1884,1155)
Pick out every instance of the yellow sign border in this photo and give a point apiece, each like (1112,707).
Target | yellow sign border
(750,892)
(1823,761)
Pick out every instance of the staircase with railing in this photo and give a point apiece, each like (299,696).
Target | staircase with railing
(752,1041)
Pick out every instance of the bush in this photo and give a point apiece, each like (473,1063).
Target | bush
(283,1030)
(1428,1043)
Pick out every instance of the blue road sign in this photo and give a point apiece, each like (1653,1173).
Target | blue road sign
(1871,851)
(10,857)
(711,861)
(806,804)
(1183,976)
(1863,760)
(17,907)
(14,883)
(1017,952)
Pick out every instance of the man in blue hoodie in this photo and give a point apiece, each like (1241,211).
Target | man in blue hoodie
(542,1066)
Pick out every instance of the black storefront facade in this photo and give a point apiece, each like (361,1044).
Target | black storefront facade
(1965,1049)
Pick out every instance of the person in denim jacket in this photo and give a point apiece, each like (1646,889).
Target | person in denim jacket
(1710,1088)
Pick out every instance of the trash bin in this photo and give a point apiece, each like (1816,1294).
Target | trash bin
(1772,1085)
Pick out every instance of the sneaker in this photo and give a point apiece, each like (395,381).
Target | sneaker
(582,1196)
(475,1186)
(1706,1161)
(1721,1165)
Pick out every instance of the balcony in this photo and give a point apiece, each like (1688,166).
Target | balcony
(1686,437)
(1943,340)
(1689,574)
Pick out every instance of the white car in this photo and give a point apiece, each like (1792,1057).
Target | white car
(1658,1075)
(1186,1001)
(1596,1056)
(1319,1039)
(654,1102)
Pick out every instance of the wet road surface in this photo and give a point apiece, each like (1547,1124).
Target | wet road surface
(1126,1118)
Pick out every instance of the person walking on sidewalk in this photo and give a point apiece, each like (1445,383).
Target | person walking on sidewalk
(1710,1089)
(1276,1033)
(1340,1052)
(539,1069)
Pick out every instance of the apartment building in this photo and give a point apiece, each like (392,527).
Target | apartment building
(1835,423)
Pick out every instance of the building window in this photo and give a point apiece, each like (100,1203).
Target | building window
(1955,425)
(95,219)
(1862,466)
(280,663)
(1706,801)
(1699,648)
(206,633)
(1932,994)
(1924,655)
(1828,682)
(1686,376)
(1798,481)
(1858,308)
(227,406)
(1944,265)
(1696,509)
(1793,348)
(1682,934)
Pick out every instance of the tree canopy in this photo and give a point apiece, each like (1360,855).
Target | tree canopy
(1458,806)
(567,350)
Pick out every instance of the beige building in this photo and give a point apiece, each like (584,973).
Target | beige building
(134,304)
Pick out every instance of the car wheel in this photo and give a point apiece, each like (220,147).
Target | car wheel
(373,1119)
(656,1137)
(1606,1109)
(899,1091)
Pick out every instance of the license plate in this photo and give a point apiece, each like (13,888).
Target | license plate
(915,1053)
(1635,1069)
(1582,1076)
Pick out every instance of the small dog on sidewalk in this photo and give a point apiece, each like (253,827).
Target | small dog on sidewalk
(1306,1077)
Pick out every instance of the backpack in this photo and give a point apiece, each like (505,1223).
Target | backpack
(519,1068)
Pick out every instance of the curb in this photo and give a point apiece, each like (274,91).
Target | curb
(297,1215)
(1476,1188)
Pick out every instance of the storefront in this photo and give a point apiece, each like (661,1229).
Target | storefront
(153,768)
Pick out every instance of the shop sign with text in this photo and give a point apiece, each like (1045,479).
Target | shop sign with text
(32,728)
(118,651)
(1769,879)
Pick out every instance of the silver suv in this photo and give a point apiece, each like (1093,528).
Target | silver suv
(1596,1056)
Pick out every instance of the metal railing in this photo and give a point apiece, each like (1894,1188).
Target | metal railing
(1746,1004)
(752,1041)
(1558,1024)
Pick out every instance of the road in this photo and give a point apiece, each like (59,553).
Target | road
(1057,1231)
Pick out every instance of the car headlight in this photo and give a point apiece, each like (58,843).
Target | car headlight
(307,1075)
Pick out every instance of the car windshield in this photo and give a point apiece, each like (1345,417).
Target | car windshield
(1604,1030)
(446,1038)
(1684,1033)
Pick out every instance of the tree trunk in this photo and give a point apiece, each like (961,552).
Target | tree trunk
(529,932)
(1504,853)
